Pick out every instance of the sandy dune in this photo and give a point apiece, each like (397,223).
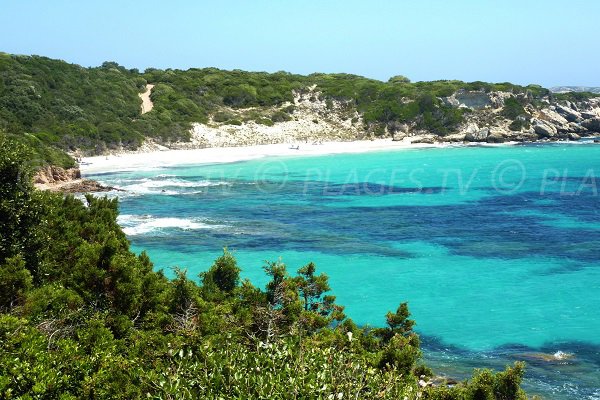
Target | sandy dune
(146,102)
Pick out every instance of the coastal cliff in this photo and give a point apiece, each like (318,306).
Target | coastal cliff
(486,119)
(65,180)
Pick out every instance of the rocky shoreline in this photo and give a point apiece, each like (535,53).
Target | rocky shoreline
(311,119)
(485,122)
(57,179)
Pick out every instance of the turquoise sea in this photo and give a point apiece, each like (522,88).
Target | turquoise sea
(496,249)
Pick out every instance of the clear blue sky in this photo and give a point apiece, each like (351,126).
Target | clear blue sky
(549,42)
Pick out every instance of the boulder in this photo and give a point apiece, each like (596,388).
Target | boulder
(498,131)
(497,135)
(572,106)
(479,136)
(526,137)
(470,128)
(496,138)
(573,136)
(569,114)
(423,139)
(544,129)
(455,137)
(566,128)
(575,127)
(589,114)
(451,101)
(398,136)
(553,117)
(592,124)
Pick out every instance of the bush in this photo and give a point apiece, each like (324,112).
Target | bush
(512,108)
(280,116)
(223,116)
(264,121)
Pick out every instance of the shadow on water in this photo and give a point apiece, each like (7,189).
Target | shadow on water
(562,370)
(334,218)
(492,227)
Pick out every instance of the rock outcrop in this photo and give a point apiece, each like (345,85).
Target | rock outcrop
(477,136)
(52,174)
(57,179)
(592,124)
(544,129)
(83,186)
(570,114)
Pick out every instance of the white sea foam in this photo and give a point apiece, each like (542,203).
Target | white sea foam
(133,225)
(164,186)
(561,355)
(153,185)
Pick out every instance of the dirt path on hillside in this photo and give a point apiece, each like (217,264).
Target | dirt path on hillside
(146,102)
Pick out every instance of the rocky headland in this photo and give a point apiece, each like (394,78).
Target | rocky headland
(311,119)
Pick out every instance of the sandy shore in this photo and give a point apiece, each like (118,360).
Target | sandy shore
(153,159)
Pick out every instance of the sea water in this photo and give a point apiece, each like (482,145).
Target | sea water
(495,249)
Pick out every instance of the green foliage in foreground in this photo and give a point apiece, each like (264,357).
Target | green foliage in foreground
(83,317)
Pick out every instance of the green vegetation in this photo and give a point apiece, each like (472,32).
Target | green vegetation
(514,110)
(69,107)
(83,317)
(575,96)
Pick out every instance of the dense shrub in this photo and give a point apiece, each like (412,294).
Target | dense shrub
(513,108)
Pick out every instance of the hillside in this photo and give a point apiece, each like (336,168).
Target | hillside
(54,105)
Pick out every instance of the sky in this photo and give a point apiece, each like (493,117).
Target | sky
(547,42)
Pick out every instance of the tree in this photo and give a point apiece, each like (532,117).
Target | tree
(15,281)
(398,323)
(399,79)
(21,209)
(311,286)
(224,273)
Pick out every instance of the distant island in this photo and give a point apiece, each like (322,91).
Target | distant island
(576,89)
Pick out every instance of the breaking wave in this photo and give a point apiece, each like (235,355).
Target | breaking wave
(134,225)
(165,184)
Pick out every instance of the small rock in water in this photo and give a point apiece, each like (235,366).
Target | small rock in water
(561,355)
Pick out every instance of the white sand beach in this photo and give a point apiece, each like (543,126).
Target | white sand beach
(153,159)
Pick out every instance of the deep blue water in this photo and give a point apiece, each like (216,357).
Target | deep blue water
(495,249)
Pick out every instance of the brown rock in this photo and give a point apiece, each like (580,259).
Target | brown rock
(544,129)
(479,136)
(84,186)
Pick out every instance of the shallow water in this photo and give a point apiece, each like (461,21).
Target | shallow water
(495,249)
